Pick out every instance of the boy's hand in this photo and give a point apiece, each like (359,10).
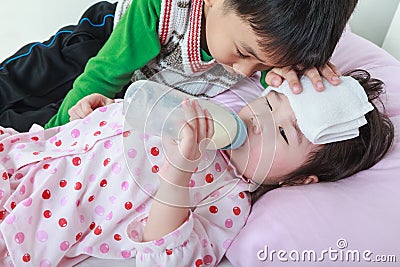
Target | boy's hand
(86,105)
(329,71)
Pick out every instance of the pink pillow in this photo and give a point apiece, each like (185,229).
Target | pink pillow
(358,216)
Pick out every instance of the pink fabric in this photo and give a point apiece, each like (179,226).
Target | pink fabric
(70,191)
(361,211)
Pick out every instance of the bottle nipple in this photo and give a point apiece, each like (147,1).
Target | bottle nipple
(241,134)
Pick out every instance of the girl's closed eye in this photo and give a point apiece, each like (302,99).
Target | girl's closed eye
(283,134)
(281,130)
(268,104)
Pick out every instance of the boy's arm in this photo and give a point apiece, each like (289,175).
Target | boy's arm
(133,43)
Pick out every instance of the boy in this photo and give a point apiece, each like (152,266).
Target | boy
(191,36)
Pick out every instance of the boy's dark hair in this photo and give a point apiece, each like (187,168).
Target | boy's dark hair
(335,161)
(298,33)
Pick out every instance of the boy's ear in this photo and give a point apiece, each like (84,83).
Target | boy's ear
(311,179)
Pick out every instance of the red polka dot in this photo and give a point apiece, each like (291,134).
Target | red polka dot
(1,147)
(155,169)
(199,262)
(117,237)
(103,183)
(154,151)
(106,161)
(76,161)
(62,222)
(126,133)
(46,166)
(13,205)
(4,176)
(46,194)
(78,186)
(98,230)
(92,225)
(91,198)
(2,214)
(35,138)
(102,123)
(213,209)
(63,183)
(58,143)
(36,153)
(26,257)
(97,133)
(236,211)
(168,251)
(209,178)
(78,236)
(241,195)
(128,205)
(47,214)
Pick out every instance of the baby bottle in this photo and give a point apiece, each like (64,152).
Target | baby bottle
(156,109)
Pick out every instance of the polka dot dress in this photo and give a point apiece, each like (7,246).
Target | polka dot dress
(87,187)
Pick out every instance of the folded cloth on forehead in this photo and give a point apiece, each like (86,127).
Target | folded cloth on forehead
(332,115)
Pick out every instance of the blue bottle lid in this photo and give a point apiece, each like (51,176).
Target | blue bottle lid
(241,134)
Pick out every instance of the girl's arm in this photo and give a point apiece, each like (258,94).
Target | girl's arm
(170,208)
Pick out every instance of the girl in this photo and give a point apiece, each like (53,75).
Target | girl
(68,192)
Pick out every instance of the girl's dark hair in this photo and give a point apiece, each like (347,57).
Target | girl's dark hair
(335,161)
(298,33)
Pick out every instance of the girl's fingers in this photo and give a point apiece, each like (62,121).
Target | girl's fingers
(189,129)
(201,123)
(210,124)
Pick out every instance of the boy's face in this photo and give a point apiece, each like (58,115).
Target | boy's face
(275,146)
(231,41)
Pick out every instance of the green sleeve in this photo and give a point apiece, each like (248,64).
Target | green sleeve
(133,43)
(262,78)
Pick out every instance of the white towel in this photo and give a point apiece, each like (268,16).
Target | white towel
(332,115)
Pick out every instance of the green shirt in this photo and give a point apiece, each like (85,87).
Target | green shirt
(133,43)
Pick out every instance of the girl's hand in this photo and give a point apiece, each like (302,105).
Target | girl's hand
(182,158)
(86,105)
(329,71)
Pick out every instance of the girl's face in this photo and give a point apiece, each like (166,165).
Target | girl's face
(275,146)
(231,41)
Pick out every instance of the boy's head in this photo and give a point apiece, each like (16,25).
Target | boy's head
(256,35)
